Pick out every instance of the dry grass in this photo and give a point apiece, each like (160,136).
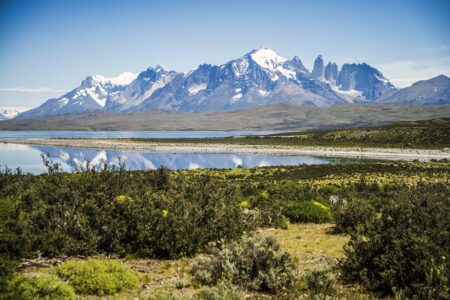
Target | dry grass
(313,245)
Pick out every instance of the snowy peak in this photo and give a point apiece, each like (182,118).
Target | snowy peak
(267,58)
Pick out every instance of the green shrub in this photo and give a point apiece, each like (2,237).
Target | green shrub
(321,282)
(305,211)
(223,291)
(39,286)
(405,250)
(349,214)
(254,263)
(97,276)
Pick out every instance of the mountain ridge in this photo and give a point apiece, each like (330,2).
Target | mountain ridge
(260,77)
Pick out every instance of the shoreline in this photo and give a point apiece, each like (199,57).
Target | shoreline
(355,152)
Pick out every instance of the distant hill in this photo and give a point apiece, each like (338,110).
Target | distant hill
(271,117)
(425,92)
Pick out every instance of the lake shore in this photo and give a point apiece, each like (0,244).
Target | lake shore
(355,152)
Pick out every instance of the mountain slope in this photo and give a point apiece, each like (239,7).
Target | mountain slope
(425,92)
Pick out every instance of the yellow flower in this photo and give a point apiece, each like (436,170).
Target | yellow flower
(165,213)
(320,205)
(244,204)
(123,198)
(264,195)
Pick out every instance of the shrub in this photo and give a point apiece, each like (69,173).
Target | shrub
(254,263)
(97,276)
(223,291)
(349,214)
(404,250)
(39,286)
(305,211)
(321,282)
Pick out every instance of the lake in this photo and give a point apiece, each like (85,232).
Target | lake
(28,158)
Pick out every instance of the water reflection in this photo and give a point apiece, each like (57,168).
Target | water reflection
(29,159)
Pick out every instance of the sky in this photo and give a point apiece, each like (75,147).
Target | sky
(49,47)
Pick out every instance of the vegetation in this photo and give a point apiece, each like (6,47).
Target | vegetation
(405,248)
(253,263)
(270,117)
(430,134)
(40,286)
(393,215)
(97,277)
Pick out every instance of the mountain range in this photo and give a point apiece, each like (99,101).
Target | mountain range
(261,77)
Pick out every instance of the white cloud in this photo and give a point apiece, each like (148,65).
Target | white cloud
(32,90)
(403,73)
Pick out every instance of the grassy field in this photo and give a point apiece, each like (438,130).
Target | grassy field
(271,117)
(429,134)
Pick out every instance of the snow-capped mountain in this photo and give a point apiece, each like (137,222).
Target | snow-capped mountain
(92,94)
(258,78)
(7,113)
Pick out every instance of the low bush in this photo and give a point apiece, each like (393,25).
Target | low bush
(97,276)
(321,283)
(254,263)
(39,286)
(405,250)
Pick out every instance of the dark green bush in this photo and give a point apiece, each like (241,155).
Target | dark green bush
(406,249)
(138,213)
(349,213)
(305,211)
(253,263)
(39,286)
(97,276)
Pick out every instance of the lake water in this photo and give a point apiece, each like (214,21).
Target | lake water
(7,134)
(28,158)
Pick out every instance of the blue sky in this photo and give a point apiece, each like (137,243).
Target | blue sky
(47,47)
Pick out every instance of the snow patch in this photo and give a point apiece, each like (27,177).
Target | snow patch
(236,98)
(263,93)
(122,79)
(196,88)
(350,95)
(267,59)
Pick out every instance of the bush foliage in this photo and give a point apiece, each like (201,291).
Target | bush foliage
(39,286)
(254,263)
(404,250)
(97,276)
